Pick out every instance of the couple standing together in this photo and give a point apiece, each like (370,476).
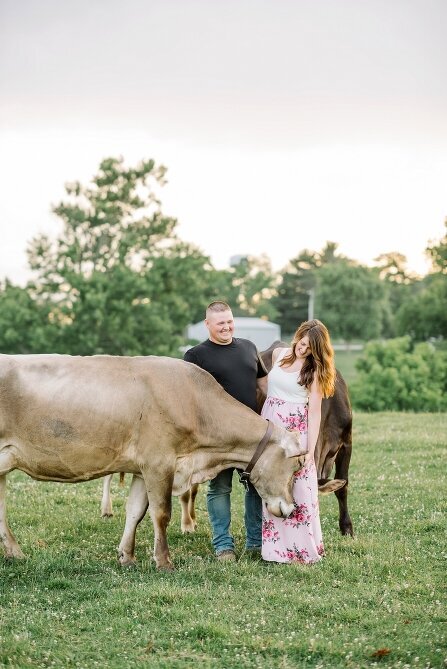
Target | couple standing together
(300,377)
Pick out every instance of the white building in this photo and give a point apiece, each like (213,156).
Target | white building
(260,332)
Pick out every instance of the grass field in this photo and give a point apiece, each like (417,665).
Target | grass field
(377,600)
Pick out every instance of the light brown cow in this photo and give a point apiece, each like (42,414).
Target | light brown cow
(166,421)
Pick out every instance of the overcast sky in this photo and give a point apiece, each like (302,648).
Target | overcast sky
(283,123)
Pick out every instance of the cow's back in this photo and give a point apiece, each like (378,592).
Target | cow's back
(37,388)
(74,417)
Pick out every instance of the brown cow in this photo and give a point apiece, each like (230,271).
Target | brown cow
(166,421)
(334,444)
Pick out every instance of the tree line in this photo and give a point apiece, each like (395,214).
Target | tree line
(118,280)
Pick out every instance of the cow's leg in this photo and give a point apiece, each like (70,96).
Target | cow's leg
(159,492)
(324,467)
(136,507)
(187,501)
(192,503)
(12,548)
(106,503)
(187,524)
(341,472)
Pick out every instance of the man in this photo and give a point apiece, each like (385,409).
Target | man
(236,365)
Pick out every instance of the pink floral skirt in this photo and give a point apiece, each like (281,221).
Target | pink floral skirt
(297,538)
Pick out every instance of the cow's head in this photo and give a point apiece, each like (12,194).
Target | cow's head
(272,474)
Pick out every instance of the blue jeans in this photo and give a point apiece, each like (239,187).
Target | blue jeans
(219,510)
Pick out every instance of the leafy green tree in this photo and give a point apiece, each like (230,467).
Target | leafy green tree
(437,251)
(298,281)
(398,283)
(252,287)
(292,298)
(118,279)
(395,376)
(393,266)
(350,300)
(424,314)
(115,221)
(247,287)
(24,322)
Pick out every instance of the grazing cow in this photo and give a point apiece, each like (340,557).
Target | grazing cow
(166,421)
(334,444)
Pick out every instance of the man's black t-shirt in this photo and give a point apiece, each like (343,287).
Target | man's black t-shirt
(235,366)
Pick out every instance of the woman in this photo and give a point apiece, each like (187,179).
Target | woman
(300,377)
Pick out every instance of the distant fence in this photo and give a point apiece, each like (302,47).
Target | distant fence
(348,347)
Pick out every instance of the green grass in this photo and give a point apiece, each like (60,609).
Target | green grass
(377,600)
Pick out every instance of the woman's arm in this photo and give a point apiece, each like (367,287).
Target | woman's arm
(313,418)
(275,354)
(262,384)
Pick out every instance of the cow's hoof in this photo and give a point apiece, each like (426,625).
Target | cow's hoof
(14,555)
(107,515)
(168,568)
(126,560)
(189,528)
(346,527)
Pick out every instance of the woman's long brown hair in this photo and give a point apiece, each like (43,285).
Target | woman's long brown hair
(319,362)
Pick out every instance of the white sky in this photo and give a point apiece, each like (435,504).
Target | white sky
(283,123)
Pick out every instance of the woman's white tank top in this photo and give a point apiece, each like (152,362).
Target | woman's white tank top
(284,384)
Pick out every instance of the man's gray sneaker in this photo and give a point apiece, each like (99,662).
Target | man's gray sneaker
(226,556)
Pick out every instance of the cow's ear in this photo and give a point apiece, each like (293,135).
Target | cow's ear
(331,486)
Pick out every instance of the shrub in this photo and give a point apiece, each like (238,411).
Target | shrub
(396,375)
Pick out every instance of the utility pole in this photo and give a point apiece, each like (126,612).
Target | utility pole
(310,304)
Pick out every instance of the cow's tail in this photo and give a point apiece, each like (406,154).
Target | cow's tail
(121,479)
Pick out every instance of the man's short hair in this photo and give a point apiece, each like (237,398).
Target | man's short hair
(218,305)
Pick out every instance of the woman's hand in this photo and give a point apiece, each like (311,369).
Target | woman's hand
(309,457)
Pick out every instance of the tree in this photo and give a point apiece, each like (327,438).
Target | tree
(393,266)
(292,297)
(117,278)
(298,280)
(24,322)
(424,314)
(115,221)
(252,286)
(350,300)
(398,283)
(437,251)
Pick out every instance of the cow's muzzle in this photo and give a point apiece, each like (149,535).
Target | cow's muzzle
(280,508)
